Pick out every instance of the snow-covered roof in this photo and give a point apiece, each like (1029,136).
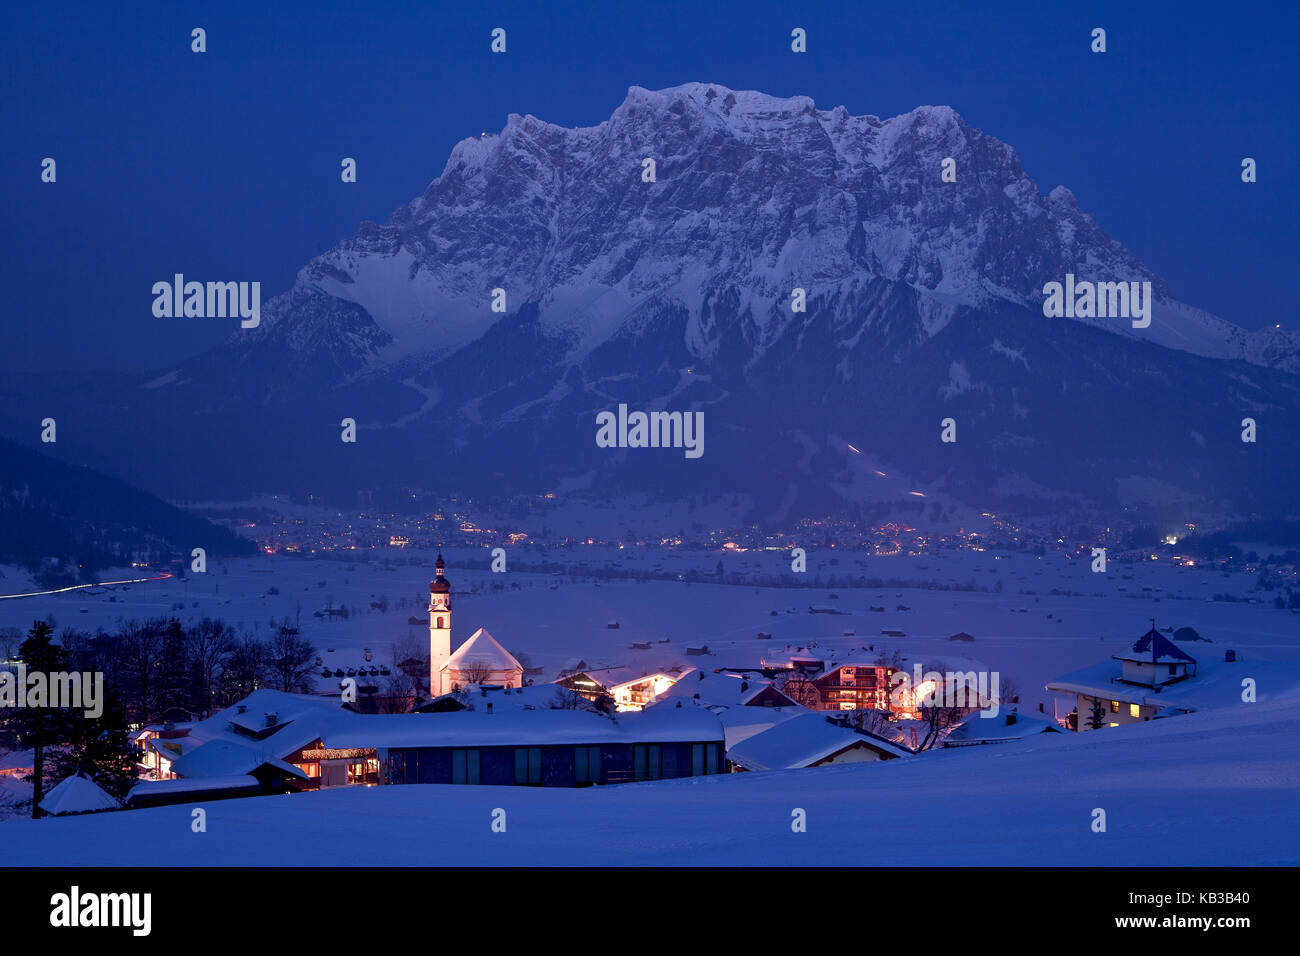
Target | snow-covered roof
(300,720)
(803,741)
(612,678)
(482,649)
(533,697)
(153,788)
(741,723)
(1153,642)
(221,758)
(1217,683)
(522,728)
(727,690)
(77,794)
(978,729)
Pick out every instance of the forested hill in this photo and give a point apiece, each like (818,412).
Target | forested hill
(52,509)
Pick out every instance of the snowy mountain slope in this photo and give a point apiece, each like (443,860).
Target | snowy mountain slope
(755,195)
(1199,790)
(924,301)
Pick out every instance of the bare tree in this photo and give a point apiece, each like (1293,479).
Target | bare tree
(399,695)
(803,692)
(566,698)
(475,672)
(141,643)
(211,644)
(245,670)
(290,659)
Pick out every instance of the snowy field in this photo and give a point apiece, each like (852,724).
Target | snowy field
(1029,638)
(1214,788)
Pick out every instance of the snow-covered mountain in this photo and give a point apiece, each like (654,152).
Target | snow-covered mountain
(924,301)
(755,195)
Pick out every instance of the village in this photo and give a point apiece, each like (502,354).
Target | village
(476,714)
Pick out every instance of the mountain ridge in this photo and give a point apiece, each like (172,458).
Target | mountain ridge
(924,301)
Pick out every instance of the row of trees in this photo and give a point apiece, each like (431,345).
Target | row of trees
(167,670)
(155,670)
(65,741)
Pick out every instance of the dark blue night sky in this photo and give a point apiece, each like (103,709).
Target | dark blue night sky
(226,164)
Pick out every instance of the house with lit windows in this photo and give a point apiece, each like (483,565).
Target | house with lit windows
(628,689)
(1154,678)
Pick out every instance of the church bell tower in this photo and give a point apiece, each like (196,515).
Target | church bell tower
(439,627)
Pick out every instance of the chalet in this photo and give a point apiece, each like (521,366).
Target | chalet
(225,758)
(809,740)
(710,689)
(853,685)
(1154,678)
(628,689)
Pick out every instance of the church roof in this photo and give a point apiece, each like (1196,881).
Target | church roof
(483,649)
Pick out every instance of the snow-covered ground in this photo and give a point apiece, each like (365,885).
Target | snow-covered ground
(1217,787)
(1028,638)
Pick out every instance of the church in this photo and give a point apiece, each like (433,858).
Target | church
(480,660)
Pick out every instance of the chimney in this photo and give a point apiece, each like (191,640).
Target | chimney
(240,708)
(489,707)
(1011,719)
(272,718)
(1230,657)
(369,654)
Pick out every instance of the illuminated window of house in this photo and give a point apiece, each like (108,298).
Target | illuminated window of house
(1133,710)
(1114,707)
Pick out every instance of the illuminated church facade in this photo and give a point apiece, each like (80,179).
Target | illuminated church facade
(480,660)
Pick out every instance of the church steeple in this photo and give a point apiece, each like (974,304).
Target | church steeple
(439,627)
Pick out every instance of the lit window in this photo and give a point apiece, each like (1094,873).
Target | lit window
(1114,707)
(1133,710)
